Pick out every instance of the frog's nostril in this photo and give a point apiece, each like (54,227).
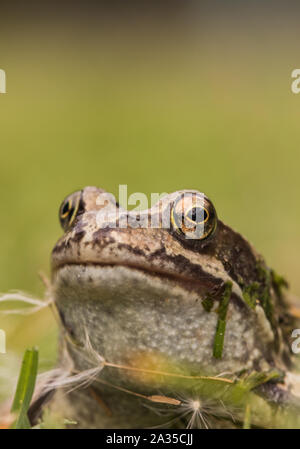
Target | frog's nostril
(79,236)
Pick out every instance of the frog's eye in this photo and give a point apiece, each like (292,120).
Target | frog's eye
(69,209)
(193,216)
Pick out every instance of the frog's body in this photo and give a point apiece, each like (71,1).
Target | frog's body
(147,297)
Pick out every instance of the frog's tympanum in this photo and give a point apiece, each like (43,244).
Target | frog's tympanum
(192,297)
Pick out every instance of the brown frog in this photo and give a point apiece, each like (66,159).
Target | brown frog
(172,285)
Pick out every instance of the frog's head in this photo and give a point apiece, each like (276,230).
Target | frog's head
(153,284)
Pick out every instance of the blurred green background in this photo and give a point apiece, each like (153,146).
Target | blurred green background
(188,100)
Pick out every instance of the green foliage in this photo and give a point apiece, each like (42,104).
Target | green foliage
(247,417)
(221,325)
(242,398)
(250,294)
(25,389)
(279,283)
(265,293)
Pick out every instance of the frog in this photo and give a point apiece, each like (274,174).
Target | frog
(144,289)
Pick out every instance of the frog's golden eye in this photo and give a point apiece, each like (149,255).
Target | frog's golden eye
(193,216)
(69,209)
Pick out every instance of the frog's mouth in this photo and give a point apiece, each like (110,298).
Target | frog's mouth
(204,284)
(106,288)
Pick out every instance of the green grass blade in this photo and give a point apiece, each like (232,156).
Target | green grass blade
(25,388)
(221,325)
(247,417)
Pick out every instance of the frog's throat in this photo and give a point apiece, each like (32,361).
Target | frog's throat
(125,310)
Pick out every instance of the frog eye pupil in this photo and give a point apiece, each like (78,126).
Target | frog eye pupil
(65,209)
(197,214)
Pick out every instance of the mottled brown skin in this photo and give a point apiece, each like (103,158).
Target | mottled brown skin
(137,294)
